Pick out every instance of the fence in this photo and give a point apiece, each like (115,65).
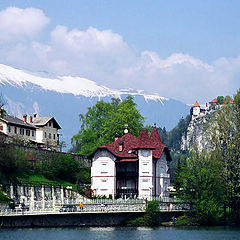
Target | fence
(87,208)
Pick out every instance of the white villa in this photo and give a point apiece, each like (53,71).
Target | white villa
(42,131)
(131,167)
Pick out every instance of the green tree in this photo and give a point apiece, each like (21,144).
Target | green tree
(12,161)
(103,121)
(220,99)
(175,135)
(202,186)
(164,136)
(62,166)
(211,181)
(224,136)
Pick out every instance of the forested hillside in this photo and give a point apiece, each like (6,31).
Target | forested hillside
(210,180)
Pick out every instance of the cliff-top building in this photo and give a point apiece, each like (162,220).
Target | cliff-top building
(130,166)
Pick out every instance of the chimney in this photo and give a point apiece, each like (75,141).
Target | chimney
(35,115)
(25,118)
(116,137)
(31,119)
(120,147)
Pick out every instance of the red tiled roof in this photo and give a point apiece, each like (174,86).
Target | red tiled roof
(144,141)
(130,143)
(157,143)
(214,101)
(196,104)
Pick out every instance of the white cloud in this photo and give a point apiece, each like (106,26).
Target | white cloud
(174,59)
(104,57)
(183,77)
(90,41)
(17,23)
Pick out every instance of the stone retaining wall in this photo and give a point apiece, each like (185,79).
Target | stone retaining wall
(41,155)
(67,220)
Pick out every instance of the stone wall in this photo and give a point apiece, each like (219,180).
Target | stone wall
(68,220)
(77,219)
(41,197)
(40,155)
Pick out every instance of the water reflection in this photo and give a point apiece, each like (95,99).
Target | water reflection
(120,233)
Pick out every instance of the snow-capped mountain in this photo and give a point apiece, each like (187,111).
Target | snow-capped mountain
(65,97)
(66,84)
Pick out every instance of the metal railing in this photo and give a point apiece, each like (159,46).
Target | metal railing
(87,208)
(97,208)
(176,206)
(115,201)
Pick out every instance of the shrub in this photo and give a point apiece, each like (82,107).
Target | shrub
(151,218)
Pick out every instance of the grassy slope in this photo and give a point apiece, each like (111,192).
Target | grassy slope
(38,179)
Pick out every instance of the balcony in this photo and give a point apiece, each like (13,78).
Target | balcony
(127,191)
(127,174)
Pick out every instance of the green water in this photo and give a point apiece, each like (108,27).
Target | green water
(120,233)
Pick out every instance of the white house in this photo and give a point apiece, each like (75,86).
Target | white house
(47,131)
(130,166)
(42,131)
(17,128)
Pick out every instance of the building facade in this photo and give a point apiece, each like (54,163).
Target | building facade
(18,129)
(47,131)
(131,167)
(42,131)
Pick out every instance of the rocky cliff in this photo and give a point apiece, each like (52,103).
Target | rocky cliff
(196,135)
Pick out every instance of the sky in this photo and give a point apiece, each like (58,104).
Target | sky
(182,49)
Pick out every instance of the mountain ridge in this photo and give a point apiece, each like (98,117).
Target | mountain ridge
(25,95)
(67,84)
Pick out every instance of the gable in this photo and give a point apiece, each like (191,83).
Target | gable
(103,154)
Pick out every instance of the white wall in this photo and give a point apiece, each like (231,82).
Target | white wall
(4,127)
(145,184)
(39,135)
(12,133)
(162,177)
(196,111)
(103,174)
(48,130)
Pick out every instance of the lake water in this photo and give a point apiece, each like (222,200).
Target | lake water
(123,233)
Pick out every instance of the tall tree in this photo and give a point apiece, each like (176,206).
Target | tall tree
(200,184)
(224,136)
(103,121)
